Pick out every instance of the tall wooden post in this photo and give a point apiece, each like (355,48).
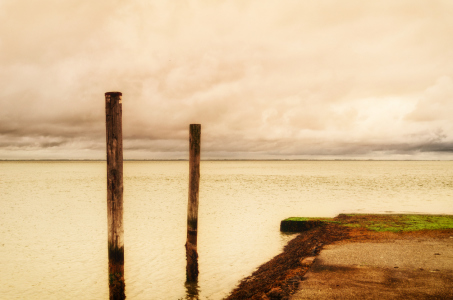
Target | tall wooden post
(113,113)
(192,208)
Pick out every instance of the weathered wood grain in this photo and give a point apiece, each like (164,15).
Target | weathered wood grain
(113,112)
(192,208)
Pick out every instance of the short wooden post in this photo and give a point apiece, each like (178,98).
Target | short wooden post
(192,209)
(113,113)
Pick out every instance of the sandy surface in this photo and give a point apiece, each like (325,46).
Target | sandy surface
(416,268)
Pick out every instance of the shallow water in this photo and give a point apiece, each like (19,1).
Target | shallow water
(53,221)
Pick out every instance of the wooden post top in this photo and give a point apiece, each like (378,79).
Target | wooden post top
(113,94)
(195,129)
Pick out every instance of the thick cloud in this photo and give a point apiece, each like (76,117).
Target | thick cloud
(266,79)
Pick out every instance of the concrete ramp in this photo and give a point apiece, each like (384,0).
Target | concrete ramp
(419,268)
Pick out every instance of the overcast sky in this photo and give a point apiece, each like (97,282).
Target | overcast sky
(284,79)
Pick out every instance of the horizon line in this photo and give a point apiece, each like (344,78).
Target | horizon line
(226,159)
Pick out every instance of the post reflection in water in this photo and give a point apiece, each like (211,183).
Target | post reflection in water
(192,290)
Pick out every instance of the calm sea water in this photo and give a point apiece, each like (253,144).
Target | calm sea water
(53,219)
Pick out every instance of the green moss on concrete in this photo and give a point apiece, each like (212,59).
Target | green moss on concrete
(390,222)
(303,219)
(396,223)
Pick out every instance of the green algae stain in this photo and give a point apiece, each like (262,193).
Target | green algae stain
(423,222)
(304,219)
(390,222)
(396,223)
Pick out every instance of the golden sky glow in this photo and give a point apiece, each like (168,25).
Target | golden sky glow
(266,79)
